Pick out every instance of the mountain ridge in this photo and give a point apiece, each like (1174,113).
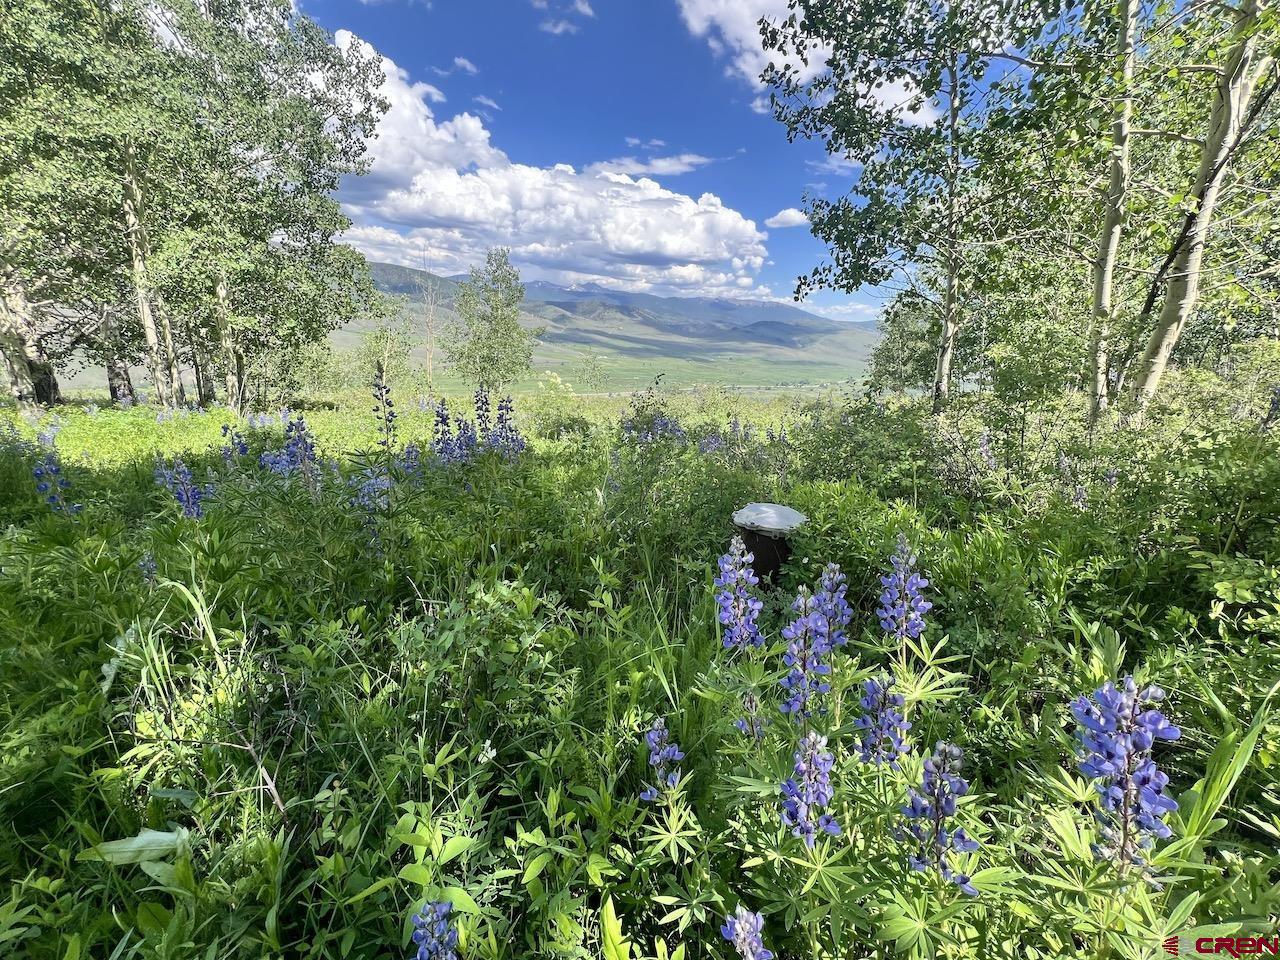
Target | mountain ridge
(710,339)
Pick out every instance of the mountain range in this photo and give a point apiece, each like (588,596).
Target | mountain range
(639,335)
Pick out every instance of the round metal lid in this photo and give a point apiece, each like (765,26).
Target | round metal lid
(771,519)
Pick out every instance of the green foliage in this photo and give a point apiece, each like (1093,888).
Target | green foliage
(285,737)
(221,137)
(386,347)
(486,345)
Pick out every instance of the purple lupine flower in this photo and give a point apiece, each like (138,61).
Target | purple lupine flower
(659,427)
(190,495)
(442,434)
(744,930)
(297,456)
(410,462)
(902,604)
(1118,728)
(711,443)
(985,454)
(831,601)
(738,608)
(808,643)
(504,436)
(929,811)
(47,435)
(465,440)
(1080,497)
(148,568)
(664,754)
(806,796)
(483,425)
(384,409)
(752,724)
(371,496)
(52,484)
(1111,478)
(882,723)
(434,932)
(235,446)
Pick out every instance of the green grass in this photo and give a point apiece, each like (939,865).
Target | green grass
(276,729)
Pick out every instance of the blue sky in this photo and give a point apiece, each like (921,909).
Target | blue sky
(619,141)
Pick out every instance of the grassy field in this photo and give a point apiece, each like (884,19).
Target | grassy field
(270,686)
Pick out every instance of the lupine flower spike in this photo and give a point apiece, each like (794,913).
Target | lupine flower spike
(190,495)
(664,754)
(51,482)
(831,601)
(902,604)
(738,608)
(434,933)
(985,453)
(745,929)
(506,435)
(1118,728)
(236,445)
(752,724)
(53,485)
(808,793)
(298,456)
(481,403)
(371,489)
(929,811)
(808,645)
(384,409)
(882,723)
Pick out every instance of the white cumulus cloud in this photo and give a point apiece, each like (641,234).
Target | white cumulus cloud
(653,166)
(558,27)
(732,30)
(440,188)
(790,217)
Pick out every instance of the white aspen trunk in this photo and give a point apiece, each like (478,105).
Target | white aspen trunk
(171,356)
(1235,87)
(136,237)
(203,371)
(232,362)
(45,377)
(119,383)
(946,346)
(16,348)
(430,298)
(1113,217)
(950,300)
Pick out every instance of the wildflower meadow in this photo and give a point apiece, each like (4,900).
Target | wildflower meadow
(470,677)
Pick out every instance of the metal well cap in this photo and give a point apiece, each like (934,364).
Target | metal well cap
(771,519)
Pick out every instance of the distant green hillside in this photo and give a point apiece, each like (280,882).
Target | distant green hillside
(638,336)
